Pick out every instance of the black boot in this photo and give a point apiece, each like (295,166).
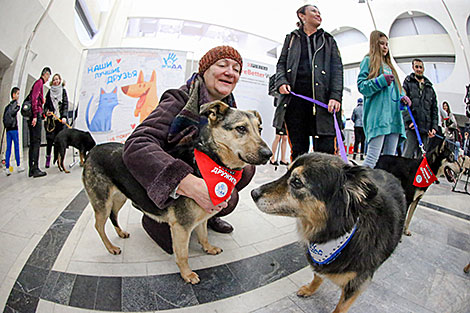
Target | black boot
(159,232)
(219,225)
(38,173)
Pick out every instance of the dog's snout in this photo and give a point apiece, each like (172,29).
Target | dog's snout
(265,154)
(255,194)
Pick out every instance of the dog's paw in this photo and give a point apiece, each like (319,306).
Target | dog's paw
(305,291)
(213,250)
(466,269)
(192,278)
(114,250)
(407,233)
(123,234)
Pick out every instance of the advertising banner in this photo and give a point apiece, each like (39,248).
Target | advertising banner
(121,86)
(251,93)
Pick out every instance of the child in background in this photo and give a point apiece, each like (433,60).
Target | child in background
(10,122)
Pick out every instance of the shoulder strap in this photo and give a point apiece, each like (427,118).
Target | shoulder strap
(291,40)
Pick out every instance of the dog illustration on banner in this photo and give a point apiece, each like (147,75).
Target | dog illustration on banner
(146,92)
(101,121)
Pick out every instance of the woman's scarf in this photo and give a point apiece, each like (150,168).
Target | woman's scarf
(56,97)
(189,115)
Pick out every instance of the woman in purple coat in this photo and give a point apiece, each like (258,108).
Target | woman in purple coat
(176,120)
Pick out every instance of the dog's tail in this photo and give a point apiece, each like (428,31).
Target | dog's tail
(56,151)
(87,111)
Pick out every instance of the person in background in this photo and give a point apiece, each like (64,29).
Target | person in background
(466,143)
(451,128)
(10,122)
(424,109)
(449,123)
(359,137)
(175,120)
(279,139)
(56,106)
(310,64)
(378,82)
(35,123)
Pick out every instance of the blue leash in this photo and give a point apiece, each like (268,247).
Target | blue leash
(339,138)
(421,146)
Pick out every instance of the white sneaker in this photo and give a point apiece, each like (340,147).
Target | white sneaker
(20,169)
(7,171)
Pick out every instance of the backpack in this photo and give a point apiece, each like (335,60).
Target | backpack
(26,108)
(8,119)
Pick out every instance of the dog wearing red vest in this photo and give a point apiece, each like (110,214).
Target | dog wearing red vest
(440,152)
(229,141)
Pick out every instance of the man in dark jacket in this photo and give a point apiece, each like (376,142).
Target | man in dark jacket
(309,64)
(423,107)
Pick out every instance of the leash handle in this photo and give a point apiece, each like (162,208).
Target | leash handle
(339,138)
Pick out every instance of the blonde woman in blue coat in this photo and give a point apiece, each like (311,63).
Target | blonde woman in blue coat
(378,82)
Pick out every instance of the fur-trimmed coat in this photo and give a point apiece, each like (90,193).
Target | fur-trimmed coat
(146,151)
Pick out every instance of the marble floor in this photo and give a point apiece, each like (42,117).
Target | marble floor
(52,259)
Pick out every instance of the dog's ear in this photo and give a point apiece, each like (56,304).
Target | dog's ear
(358,185)
(214,111)
(258,116)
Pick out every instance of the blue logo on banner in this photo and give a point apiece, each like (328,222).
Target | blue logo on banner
(170,62)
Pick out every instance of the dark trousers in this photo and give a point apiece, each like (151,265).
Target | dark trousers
(34,144)
(52,127)
(301,124)
(359,138)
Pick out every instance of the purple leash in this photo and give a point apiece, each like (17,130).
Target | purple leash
(339,138)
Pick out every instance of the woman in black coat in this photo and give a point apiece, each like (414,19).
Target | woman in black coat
(56,109)
(310,65)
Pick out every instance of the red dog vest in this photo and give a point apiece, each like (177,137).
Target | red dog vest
(219,180)
(424,176)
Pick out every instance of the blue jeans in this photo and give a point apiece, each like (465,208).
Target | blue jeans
(386,142)
(12,135)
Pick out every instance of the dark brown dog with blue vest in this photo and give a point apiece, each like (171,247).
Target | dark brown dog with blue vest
(350,218)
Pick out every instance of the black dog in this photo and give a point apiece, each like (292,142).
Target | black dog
(75,138)
(440,151)
(336,203)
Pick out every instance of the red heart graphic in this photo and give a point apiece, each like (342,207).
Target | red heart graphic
(118,60)
(133,126)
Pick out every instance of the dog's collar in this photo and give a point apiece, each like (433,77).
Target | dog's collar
(220,180)
(327,252)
